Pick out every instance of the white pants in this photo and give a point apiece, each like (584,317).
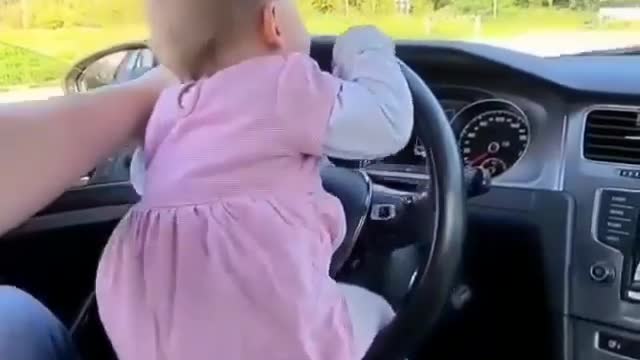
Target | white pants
(369,313)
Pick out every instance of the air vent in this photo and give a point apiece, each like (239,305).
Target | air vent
(612,136)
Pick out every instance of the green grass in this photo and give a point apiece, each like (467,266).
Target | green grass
(24,68)
(71,44)
(37,56)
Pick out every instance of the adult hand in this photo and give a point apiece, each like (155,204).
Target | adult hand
(46,146)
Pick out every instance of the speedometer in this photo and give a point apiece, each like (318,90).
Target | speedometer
(494,138)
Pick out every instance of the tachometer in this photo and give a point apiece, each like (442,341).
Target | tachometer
(494,138)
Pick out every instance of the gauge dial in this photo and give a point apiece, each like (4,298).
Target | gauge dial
(495,140)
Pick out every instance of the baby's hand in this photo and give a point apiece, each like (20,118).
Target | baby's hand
(373,112)
(356,41)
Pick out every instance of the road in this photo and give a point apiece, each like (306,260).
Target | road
(29,94)
(548,44)
(553,44)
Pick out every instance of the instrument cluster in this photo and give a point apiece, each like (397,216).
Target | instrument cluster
(492,133)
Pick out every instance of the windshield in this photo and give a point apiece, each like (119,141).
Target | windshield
(40,39)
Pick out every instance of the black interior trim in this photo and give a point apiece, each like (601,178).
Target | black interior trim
(92,196)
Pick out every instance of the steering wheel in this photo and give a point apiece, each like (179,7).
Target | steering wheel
(434,281)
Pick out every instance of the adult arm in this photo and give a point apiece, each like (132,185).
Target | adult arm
(45,146)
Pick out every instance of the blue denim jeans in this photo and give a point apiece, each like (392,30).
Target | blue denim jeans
(29,331)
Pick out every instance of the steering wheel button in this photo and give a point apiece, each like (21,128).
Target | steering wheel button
(383,212)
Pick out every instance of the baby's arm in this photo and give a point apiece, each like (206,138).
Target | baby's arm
(373,113)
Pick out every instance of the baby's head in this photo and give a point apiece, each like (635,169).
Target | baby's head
(196,38)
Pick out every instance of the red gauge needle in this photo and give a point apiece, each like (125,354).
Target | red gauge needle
(478,159)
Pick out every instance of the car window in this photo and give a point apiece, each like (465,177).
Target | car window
(40,40)
(134,60)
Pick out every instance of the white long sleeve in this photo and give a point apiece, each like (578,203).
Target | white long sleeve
(137,170)
(373,113)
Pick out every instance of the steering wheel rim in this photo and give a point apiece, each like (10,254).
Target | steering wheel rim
(435,279)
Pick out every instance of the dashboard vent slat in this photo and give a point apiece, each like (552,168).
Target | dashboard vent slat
(612,136)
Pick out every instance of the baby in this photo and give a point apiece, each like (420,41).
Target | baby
(227,254)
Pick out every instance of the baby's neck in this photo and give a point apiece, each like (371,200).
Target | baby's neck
(234,56)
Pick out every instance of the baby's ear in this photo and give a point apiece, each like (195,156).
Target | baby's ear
(270,29)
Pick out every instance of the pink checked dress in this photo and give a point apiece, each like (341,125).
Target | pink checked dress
(227,254)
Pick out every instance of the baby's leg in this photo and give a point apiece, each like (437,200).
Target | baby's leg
(369,313)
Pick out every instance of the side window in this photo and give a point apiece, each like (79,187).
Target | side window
(136,63)
(102,72)
(141,61)
(134,60)
(147,58)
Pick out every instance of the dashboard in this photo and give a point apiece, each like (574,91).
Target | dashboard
(561,138)
(515,133)
(492,133)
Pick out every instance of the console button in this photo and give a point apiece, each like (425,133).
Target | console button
(617,217)
(621,212)
(613,239)
(635,281)
(618,345)
(619,225)
(633,296)
(634,174)
(602,273)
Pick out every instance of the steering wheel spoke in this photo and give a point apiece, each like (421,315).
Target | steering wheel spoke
(394,220)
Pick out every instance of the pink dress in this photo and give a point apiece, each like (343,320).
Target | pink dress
(227,254)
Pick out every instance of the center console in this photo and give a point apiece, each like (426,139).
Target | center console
(615,224)
(603,299)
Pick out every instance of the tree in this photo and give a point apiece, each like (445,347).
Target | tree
(25,13)
(439,4)
(475,7)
